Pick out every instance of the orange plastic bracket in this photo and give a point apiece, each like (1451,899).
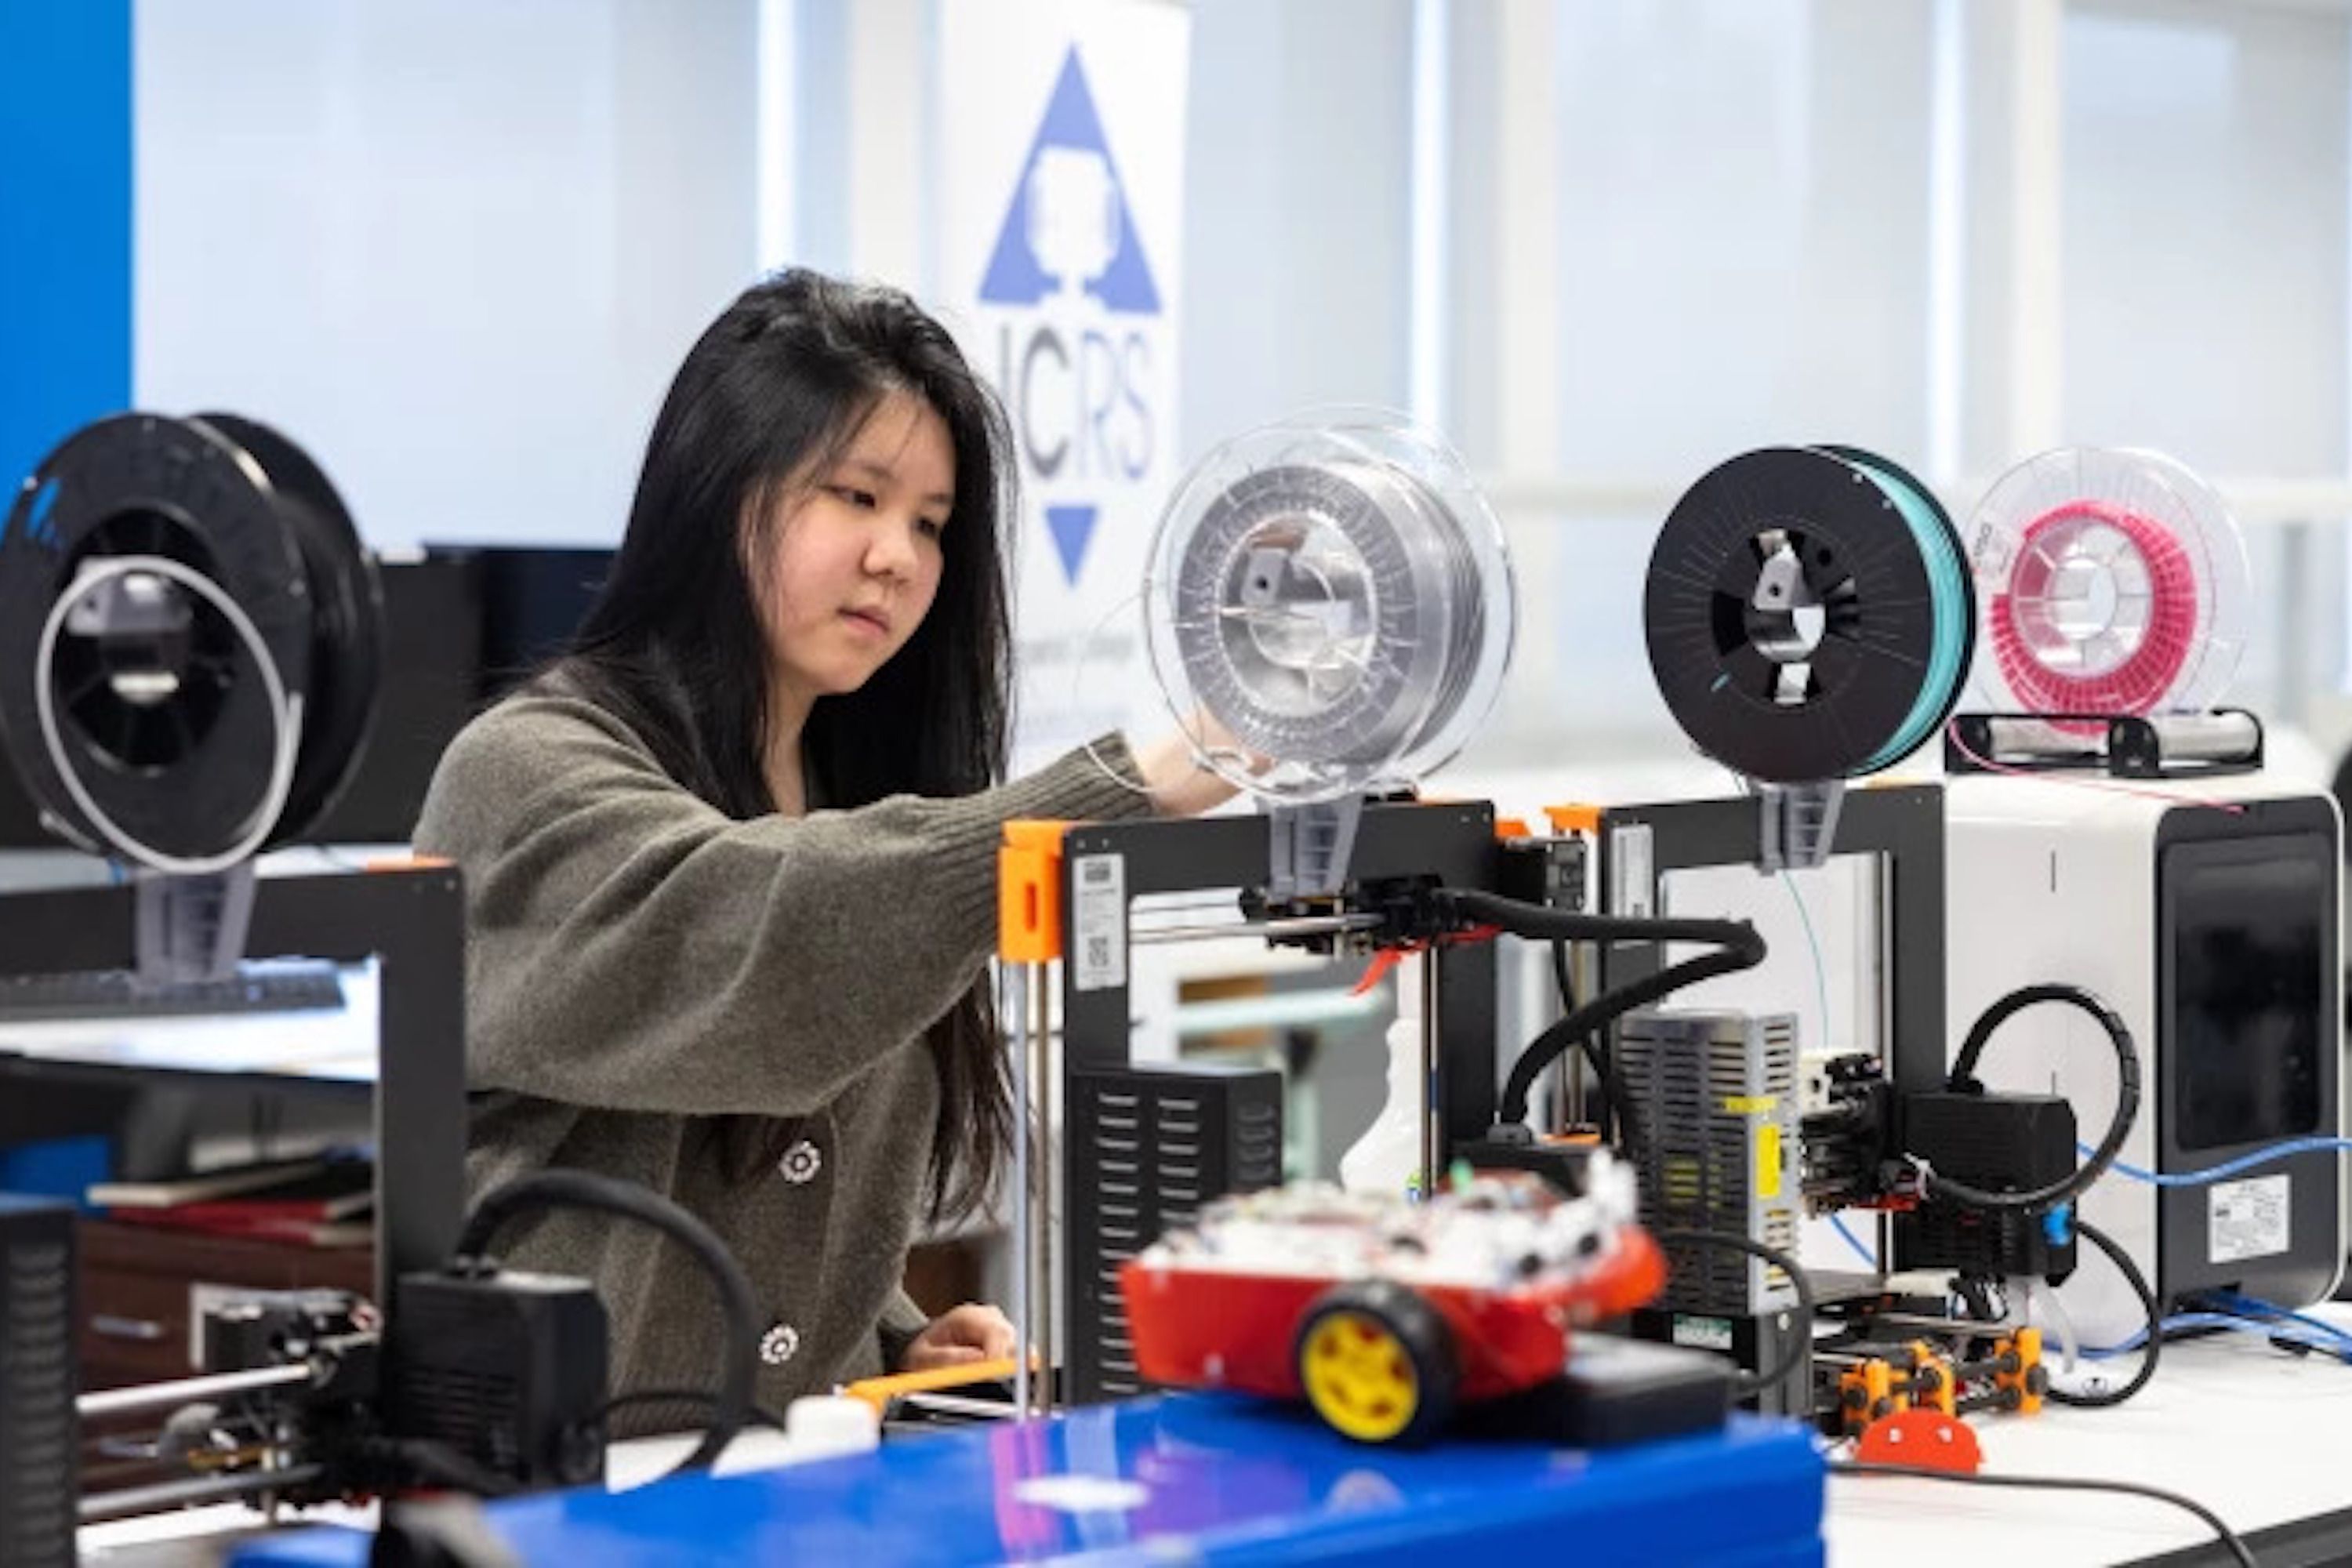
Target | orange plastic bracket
(2027,1347)
(1029,892)
(1867,1389)
(1573,818)
(1927,1367)
(1923,1438)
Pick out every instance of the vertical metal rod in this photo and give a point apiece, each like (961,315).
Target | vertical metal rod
(1582,971)
(1014,979)
(1568,1074)
(1428,1101)
(1040,1213)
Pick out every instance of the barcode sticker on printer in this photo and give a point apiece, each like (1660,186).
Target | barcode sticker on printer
(2247,1220)
(1098,924)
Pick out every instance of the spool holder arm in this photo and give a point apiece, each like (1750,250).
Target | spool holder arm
(1308,845)
(190,928)
(1797,823)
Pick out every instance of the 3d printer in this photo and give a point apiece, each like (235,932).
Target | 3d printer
(2111,827)
(1329,609)
(189,636)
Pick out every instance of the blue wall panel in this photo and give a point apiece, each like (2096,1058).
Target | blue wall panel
(64,223)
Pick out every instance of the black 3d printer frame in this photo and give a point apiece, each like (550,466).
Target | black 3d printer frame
(1453,842)
(411,920)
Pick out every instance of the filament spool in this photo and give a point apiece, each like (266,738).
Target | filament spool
(2112,583)
(1808,612)
(190,640)
(1329,608)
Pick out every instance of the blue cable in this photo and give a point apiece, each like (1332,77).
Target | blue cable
(2170,1325)
(2270,1311)
(2229,1320)
(2228,1168)
(1868,1257)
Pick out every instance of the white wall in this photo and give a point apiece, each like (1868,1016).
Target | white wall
(455,250)
(1683,228)
(2204,205)
(1743,229)
(1298,186)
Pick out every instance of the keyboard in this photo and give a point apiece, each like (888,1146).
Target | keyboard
(118,993)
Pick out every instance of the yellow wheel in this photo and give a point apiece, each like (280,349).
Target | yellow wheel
(1376,1361)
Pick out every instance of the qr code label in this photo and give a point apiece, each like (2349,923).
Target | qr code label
(1100,921)
(2248,1219)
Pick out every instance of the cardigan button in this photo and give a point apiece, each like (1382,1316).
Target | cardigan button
(778,1344)
(801,1162)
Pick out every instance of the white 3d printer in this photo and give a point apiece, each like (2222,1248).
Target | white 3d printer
(2148,858)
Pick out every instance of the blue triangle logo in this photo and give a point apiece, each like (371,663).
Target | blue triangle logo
(1071,527)
(1070,218)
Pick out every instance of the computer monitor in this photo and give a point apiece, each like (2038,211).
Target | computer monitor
(532,600)
(431,686)
(464,626)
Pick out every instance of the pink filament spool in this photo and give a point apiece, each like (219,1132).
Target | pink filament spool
(2099,613)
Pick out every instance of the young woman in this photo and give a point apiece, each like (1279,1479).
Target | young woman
(731,863)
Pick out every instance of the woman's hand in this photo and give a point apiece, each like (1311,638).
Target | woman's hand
(1179,782)
(966,1333)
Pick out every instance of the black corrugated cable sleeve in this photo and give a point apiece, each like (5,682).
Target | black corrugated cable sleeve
(1742,947)
(1962,1080)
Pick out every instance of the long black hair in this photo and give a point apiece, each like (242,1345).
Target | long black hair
(775,389)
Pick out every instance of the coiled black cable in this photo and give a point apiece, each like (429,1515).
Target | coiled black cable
(561,1189)
(1963,1080)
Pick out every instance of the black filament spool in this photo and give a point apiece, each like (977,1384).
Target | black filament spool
(1829,713)
(183,774)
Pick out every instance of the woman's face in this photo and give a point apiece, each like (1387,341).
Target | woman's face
(855,557)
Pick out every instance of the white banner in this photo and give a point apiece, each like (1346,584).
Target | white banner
(1061,180)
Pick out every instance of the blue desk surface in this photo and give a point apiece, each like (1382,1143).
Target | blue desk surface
(1185,1477)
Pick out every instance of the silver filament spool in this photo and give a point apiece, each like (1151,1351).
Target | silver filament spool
(1329,608)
